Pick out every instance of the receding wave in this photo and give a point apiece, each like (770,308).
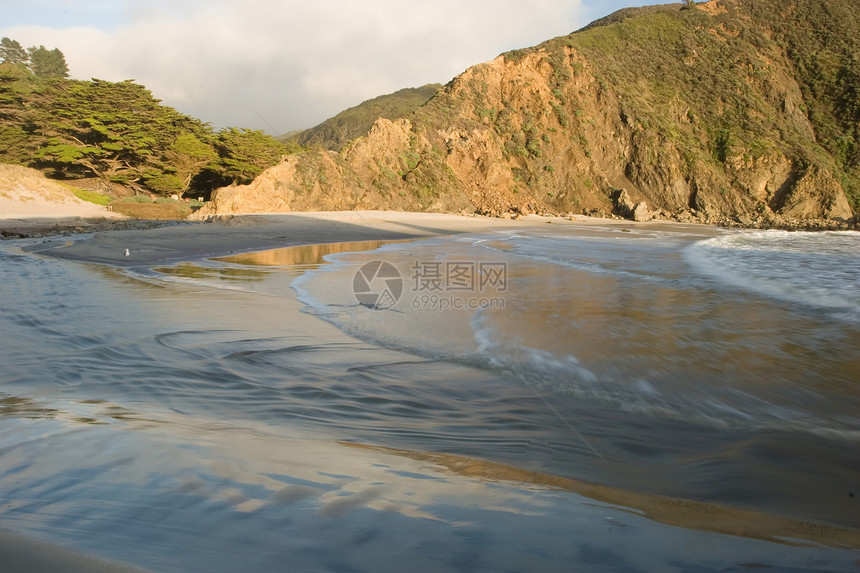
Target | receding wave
(707,405)
(820,270)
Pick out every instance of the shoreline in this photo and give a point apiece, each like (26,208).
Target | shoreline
(169,241)
(47,227)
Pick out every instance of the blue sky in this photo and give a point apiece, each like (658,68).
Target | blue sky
(281,65)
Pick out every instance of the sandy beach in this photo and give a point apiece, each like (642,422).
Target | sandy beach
(243,233)
(33,206)
(27,193)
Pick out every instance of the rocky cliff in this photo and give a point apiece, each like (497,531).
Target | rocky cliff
(735,111)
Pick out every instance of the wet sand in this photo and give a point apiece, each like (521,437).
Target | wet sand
(687,514)
(22,555)
(221,236)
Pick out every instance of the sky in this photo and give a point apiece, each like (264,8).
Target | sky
(283,65)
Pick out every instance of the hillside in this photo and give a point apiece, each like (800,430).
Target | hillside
(357,121)
(733,111)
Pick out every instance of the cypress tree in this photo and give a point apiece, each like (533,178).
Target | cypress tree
(11,52)
(45,63)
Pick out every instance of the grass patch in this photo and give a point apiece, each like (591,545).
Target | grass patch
(137,199)
(92,197)
(157,211)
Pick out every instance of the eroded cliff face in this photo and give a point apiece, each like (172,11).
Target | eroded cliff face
(716,134)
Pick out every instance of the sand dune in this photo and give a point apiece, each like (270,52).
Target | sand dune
(27,194)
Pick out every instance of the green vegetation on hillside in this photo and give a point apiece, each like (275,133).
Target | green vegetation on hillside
(357,121)
(118,132)
(821,39)
(709,81)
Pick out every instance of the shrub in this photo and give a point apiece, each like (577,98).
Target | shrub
(138,199)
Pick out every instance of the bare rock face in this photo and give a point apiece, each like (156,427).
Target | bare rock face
(641,214)
(295,184)
(814,194)
(476,159)
(378,154)
(624,207)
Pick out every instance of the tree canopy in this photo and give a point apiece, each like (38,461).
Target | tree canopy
(116,131)
(39,60)
(45,63)
(11,52)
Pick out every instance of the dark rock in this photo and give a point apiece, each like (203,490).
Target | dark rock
(624,206)
(744,220)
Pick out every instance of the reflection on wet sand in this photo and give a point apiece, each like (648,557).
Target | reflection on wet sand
(684,513)
(15,407)
(234,482)
(302,254)
(192,271)
(88,412)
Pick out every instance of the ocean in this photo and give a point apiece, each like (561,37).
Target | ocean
(544,398)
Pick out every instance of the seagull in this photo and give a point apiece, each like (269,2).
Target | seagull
(127,252)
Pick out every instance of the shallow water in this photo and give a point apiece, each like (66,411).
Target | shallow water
(194,417)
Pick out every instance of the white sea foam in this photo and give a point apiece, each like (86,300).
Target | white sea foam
(819,270)
(534,365)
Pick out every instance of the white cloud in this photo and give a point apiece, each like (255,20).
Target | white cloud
(281,65)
